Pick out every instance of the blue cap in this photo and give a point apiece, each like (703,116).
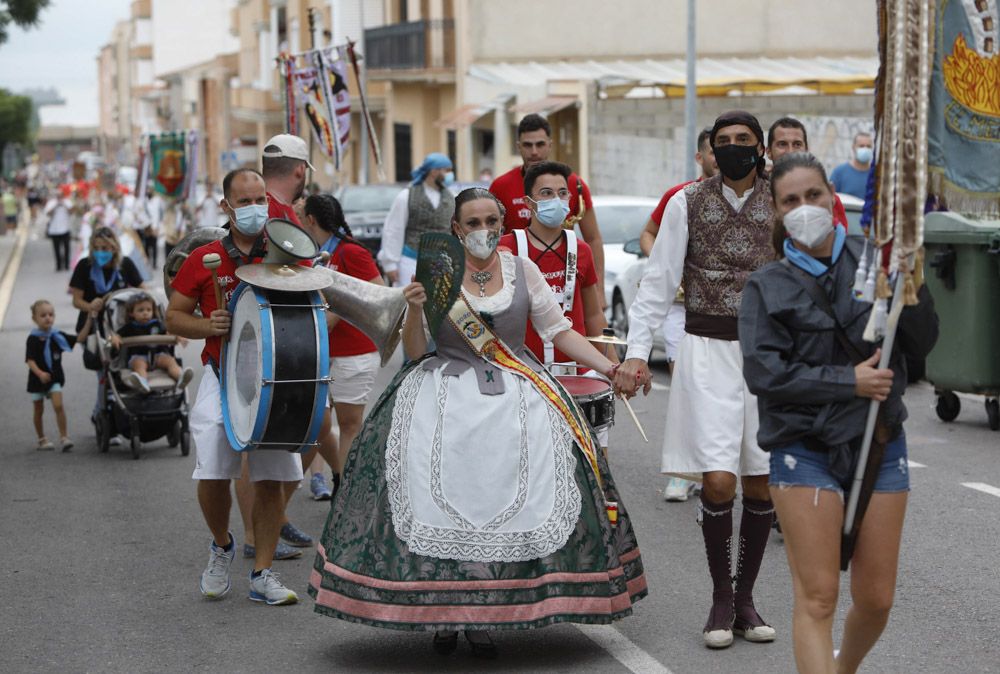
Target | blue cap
(435,160)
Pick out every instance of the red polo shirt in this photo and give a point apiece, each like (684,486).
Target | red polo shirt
(509,189)
(278,209)
(194,281)
(353,260)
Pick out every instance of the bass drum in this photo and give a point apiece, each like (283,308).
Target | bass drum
(275,369)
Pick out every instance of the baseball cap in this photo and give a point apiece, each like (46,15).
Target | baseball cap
(287,145)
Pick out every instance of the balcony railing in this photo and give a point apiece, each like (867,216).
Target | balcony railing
(413,45)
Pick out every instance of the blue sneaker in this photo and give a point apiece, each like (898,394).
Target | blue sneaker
(321,491)
(296,536)
(283,551)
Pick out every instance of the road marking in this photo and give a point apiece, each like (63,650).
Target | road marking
(985,488)
(914,464)
(10,273)
(623,650)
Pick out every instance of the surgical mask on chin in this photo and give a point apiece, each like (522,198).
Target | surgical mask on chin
(102,257)
(809,225)
(552,212)
(250,220)
(481,243)
(863,155)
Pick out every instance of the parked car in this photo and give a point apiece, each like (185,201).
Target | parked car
(365,208)
(621,220)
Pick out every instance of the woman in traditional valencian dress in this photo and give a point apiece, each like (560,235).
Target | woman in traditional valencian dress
(473,498)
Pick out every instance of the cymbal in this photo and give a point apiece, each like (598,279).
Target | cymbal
(607,339)
(293,278)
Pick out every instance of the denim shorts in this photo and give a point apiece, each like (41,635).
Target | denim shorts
(55,388)
(796,466)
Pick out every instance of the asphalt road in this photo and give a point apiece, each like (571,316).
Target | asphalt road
(103,555)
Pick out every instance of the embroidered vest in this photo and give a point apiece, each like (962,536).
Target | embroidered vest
(724,247)
(423,217)
(509,325)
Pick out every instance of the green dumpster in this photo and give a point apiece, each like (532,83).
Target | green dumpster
(962,271)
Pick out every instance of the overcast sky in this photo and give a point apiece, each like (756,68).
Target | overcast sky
(62,53)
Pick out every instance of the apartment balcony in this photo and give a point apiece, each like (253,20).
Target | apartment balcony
(416,50)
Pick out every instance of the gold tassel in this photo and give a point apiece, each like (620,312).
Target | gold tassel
(882,289)
(909,291)
(918,269)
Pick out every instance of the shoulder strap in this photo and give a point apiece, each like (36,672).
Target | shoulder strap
(522,243)
(237,255)
(569,283)
(818,295)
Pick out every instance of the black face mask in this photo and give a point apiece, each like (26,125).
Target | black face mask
(736,161)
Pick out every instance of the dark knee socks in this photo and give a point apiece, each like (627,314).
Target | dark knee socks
(755,527)
(717,528)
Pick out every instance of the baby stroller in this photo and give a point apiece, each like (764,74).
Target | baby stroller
(141,417)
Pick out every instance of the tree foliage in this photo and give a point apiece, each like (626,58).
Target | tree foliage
(15,119)
(22,13)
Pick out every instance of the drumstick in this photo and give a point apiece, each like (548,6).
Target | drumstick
(212,262)
(634,418)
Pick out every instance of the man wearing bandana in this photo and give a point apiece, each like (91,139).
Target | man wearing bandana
(425,206)
(717,231)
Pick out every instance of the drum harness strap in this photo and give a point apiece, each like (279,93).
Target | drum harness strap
(569,282)
(487,345)
(239,259)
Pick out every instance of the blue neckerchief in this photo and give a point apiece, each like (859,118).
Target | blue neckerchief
(330,245)
(48,336)
(810,264)
(101,285)
(151,321)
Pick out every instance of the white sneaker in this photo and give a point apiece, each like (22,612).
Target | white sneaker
(215,579)
(678,489)
(266,588)
(186,376)
(136,382)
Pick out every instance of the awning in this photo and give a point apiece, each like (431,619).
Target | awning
(715,76)
(545,106)
(463,116)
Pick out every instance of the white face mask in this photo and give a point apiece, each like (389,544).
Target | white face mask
(481,243)
(809,225)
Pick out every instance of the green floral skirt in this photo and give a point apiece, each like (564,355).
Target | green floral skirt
(365,573)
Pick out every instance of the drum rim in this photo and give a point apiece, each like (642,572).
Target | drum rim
(322,388)
(267,370)
(606,392)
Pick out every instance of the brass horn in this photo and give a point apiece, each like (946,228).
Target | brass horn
(183,249)
(375,310)
(287,243)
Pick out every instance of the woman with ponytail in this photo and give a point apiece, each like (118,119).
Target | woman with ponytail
(354,359)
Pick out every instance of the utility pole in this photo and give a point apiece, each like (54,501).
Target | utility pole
(690,96)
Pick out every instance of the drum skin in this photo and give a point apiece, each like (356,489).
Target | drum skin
(594,396)
(275,369)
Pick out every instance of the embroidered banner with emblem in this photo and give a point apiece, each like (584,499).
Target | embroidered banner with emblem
(964,108)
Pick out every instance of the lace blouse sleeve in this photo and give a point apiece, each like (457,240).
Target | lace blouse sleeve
(546,315)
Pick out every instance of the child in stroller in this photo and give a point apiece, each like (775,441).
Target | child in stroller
(140,358)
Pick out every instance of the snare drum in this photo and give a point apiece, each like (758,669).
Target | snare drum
(594,396)
(275,369)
